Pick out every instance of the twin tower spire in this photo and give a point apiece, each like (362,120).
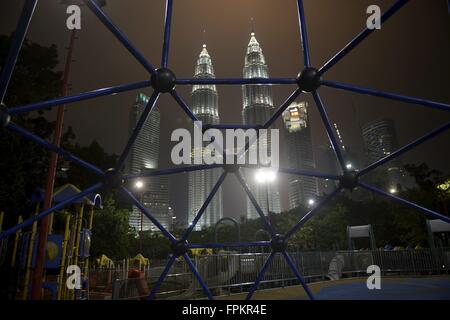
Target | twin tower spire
(257,109)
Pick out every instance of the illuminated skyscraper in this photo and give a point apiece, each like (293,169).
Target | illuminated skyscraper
(154,193)
(257,109)
(299,154)
(205,107)
(380,140)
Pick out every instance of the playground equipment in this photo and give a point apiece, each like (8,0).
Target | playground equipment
(440,227)
(357,232)
(71,247)
(163,81)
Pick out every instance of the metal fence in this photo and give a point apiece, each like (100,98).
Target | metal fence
(230,273)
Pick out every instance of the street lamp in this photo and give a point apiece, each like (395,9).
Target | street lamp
(139,184)
(311,202)
(264,176)
(393,191)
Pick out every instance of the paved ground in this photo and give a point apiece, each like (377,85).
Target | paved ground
(420,288)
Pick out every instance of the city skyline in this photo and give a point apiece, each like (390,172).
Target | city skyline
(274,25)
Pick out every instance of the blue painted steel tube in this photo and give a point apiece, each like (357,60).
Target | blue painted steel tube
(311,213)
(255,204)
(148,108)
(231,126)
(45,213)
(190,114)
(235,81)
(164,172)
(148,214)
(303,32)
(120,35)
(295,171)
(309,173)
(16,45)
(410,204)
(406,148)
(167,28)
(283,107)
(204,206)
(387,95)
(184,106)
(194,270)
(51,147)
(260,276)
(79,97)
(298,275)
(360,37)
(162,277)
(331,135)
(230,245)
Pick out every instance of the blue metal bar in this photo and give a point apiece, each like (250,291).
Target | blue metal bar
(235,81)
(164,172)
(331,136)
(260,276)
(231,126)
(311,213)
(204,206)
(298,275)
(148,108)
(294,171)
(360,37)
(120,35)
(189,112)
(309,173)
(45,213)
(387,95)
(412,205)
(191,265)
(255,203)
(79,97)
(303,32)
(51,147)
(167,28)
(16,45)
(230,245)
(283,107)
(161,278)
(148,214)
(406,148)
(184,106)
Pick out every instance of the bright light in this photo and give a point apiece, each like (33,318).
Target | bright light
(265,176)
(349,165)
(139,184)
(393,190)
(311,202)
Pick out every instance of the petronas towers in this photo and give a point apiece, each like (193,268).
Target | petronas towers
(257,109)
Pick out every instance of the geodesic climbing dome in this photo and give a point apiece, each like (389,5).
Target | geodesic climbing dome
(163,81)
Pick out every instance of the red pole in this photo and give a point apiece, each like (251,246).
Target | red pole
(43,230)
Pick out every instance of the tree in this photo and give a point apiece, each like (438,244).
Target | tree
(23,163)
(111,234)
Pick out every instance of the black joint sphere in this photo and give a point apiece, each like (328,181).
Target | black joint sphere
(278,243)
(349,180)
(163,80)
(309,79)
(5,118)
(113,179)
(179,248)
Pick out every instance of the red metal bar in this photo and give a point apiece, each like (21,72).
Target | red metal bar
(43,230)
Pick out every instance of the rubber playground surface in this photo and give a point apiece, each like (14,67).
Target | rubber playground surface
(420,288)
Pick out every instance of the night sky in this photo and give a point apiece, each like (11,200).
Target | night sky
(410,55)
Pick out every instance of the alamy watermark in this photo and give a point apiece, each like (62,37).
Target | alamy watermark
(374,280)
(212,147)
